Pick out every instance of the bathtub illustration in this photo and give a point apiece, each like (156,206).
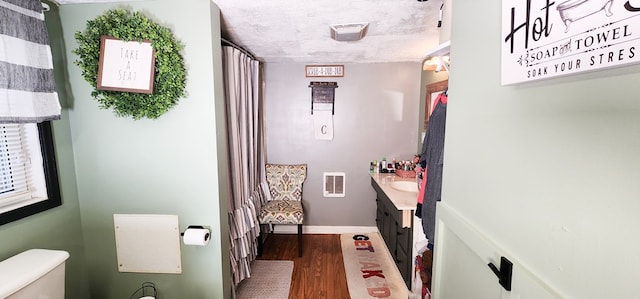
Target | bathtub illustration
(573,10)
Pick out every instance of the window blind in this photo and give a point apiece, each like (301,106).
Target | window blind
(18,184)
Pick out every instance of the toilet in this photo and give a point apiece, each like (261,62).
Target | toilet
(35,273)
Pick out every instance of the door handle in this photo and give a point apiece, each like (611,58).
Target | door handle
(505,272)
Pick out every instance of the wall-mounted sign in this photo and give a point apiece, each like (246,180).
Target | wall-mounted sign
(545,38)
(323,95)
(126,65)
(324,70)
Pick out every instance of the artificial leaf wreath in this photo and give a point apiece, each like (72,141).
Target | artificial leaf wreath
(170,73)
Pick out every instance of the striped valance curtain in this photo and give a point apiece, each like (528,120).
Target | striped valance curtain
(27,86)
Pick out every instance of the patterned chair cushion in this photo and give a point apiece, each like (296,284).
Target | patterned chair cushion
(285,187)
(285,181)
(281,212)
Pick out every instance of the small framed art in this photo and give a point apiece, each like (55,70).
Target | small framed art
(126,65)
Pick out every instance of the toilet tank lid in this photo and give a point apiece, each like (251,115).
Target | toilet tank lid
(22,269)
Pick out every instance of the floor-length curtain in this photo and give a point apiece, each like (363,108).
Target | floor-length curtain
(246,156)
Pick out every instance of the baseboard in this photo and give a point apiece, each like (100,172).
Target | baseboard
(312,229)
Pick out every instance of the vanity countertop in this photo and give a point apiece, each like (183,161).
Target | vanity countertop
(403,200)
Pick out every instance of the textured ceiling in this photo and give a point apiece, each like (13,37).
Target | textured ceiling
(298,30)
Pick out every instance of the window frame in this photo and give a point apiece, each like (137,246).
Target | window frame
(54,199)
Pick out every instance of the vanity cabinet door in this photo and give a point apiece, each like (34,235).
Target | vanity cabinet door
(403,261)
(393,237)
(379,215)
(382,220)
(403,253)
(400,247)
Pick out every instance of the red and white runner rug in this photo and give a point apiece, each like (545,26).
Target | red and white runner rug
(371,272)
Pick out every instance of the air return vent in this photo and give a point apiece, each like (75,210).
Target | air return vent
(334,184)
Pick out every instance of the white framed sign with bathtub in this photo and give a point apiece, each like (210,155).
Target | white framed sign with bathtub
(543,39)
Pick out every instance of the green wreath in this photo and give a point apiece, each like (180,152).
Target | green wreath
(170,73)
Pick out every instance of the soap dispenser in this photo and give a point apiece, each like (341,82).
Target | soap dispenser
(383,165)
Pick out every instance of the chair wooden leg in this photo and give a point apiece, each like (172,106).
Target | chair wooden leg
(260,241)
(299,240)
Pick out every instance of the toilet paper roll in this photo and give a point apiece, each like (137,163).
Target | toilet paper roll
(196,236)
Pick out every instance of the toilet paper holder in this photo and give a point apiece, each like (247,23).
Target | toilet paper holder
(195,226)
(196,235)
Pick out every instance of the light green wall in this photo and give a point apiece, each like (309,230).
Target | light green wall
(171,165)
(58,228)
(550,168)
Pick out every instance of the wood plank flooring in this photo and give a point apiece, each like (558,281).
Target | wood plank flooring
(319,273)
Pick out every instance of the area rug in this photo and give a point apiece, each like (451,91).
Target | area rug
(269,280)
(371,272)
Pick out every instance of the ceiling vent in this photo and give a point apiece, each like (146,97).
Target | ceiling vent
(348,32)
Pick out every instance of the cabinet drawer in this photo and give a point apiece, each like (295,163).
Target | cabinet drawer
(404,238)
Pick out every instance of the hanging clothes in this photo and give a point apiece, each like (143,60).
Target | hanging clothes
(433,156)
(442,98)
(423,186)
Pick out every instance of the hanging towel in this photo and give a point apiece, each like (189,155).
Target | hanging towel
(323,124)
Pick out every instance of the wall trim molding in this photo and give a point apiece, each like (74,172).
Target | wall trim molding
(314,229)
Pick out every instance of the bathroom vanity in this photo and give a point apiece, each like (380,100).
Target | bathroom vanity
(396,199)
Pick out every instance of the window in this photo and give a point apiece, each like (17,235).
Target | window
(28,174)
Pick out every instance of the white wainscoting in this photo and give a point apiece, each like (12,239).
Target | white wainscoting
(461,270)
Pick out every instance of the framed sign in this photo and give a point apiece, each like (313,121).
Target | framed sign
(324,70)
(323,94)
(126,66)
(543,39)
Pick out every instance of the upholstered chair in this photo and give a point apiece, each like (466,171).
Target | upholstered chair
(285,204)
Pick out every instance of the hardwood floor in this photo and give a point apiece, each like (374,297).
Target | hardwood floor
(319,273)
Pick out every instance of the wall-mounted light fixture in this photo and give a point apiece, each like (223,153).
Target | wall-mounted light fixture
(438,58)
(436,63)
(348,32)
